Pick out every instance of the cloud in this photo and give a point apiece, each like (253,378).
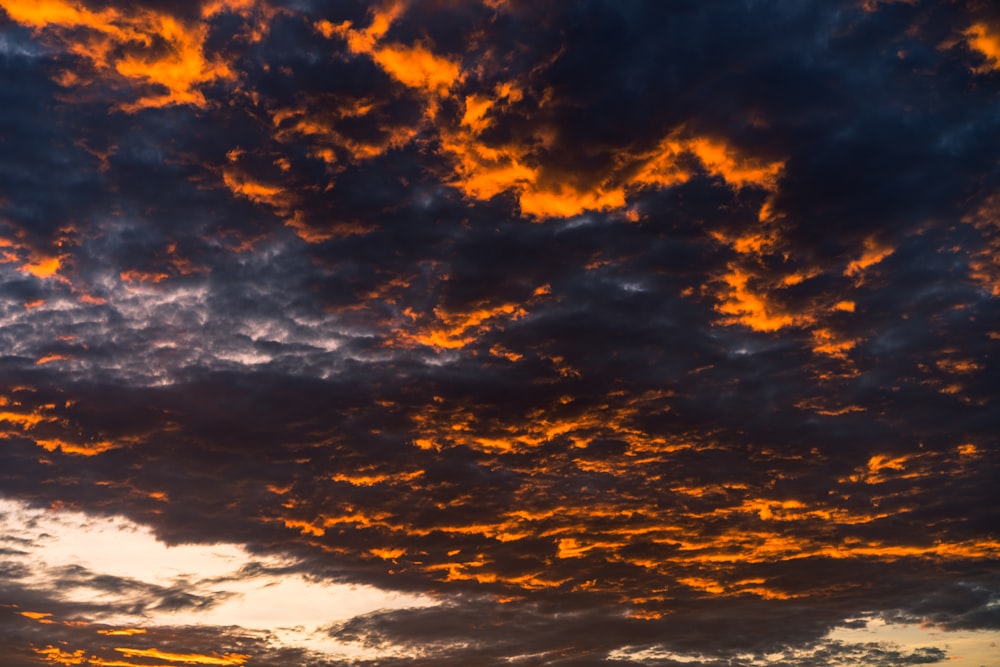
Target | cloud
(584,334)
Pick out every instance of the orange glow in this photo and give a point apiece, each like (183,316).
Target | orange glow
(417,67)
(235,659)
(827,342)
(52,654)
(101,662)
(457,426)
(751,307)
(124,632)
(387,554)
(413,66)
(24,420)
(873,253)
(321,128)
(372,480)
(453,331)
(48,358)
(141,46)
(665,166)
(986,41)
(819,408)
(741,171)
(984,262)
(86,449)
(212,8)
(476,108)
(661,167)
(37,616)
(92,300)
(483,170)
(41,13)
(758,242)
(502,352)
(700,584)
(42,266)
(311,235)
(305,527)
(572,548)
(958,366)
(881,468)
(134,276)
(880,462)
(255,191)
(968,450)
(562,201)
(180,71)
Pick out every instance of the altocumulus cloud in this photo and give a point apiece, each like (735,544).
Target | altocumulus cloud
(458,332)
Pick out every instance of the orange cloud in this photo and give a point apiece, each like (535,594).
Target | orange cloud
(42,266)
(958,366)
(417,67)
(320,127)
(984,39)
(377,478)
(454,330)
(37,616)
(831,344)
(138,46)
(439,425)
(671,163)
(23,419)
(305,527)
(388,554)
(48,358)
(134,276)
(81,449)
(124,632)
(256,191)
(414,66)
(749,305)
(873,253)
(279,198)
(484,169)
(984,263)
(231,659)
(58,656)
(818,406)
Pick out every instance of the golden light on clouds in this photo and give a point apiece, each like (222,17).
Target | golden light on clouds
(985,40)
(144,47)
(873,253)
(234,659)
(267,601)
(446,332)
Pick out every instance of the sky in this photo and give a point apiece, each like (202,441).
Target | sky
(495,332)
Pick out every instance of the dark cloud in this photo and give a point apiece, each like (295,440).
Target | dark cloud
(633,335)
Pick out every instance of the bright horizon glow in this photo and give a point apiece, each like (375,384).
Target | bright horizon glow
(287,605)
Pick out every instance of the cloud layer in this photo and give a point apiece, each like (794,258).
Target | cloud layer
(601,333)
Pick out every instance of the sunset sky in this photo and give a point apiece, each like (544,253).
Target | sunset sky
(470,333)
